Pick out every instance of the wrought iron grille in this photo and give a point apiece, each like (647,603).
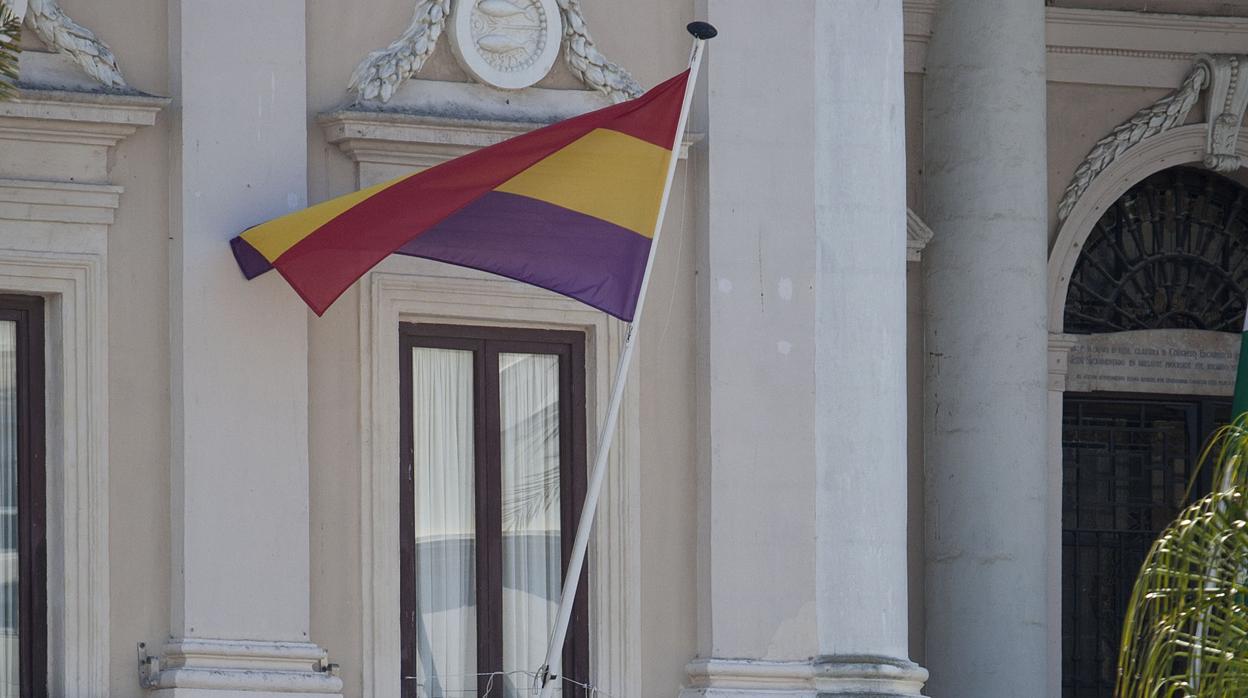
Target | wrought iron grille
(1170,253)
(1126,465)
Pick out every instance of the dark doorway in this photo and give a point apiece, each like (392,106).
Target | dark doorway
(1126,461)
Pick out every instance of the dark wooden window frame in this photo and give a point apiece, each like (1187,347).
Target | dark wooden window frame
(27,313)
(486,343)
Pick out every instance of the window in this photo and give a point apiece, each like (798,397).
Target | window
(492,482)
(1171,253)
(23,555)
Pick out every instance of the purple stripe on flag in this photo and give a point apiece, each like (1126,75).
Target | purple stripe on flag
(586,258)
(249,260)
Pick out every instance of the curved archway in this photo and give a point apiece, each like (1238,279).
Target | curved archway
(1180,146)
(1150,295)
(1170,253)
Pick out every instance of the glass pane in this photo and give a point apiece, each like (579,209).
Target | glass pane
(9,603)
(442,439)
(529,409)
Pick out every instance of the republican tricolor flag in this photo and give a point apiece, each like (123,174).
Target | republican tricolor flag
(571,207)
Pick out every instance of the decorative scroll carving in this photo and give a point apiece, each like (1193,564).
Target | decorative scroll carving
(1165,114)
(588,63)
(1228,97)
(66,36)
(379,75)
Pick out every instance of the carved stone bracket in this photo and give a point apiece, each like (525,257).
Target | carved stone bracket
(503,43)
(1223,76)
(918,234)
(1228,98)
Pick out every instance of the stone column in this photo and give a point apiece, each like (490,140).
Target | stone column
(240,536)
(802,318)
(986,343)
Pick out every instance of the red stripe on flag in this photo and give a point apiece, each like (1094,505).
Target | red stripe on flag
(325,263)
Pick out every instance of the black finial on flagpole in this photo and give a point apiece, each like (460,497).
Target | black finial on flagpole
(702,30)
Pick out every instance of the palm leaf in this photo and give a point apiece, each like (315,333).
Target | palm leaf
(1186,629)
(10,47)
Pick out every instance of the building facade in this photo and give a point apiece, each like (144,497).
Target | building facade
(947,296)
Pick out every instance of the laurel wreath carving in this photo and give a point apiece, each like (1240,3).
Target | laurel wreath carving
(383,70)
(587,62)
(1163,115)
(379,75)
(66,36)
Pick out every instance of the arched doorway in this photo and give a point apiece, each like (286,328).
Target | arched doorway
(1154,306)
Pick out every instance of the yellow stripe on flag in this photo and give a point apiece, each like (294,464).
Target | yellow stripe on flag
(272,239)
(605,174)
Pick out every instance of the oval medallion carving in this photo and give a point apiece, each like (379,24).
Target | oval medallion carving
(510,44)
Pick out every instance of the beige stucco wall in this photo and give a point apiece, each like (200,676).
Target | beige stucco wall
(647,37)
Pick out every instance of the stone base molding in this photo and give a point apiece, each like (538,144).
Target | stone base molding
(845,676)
(219,668)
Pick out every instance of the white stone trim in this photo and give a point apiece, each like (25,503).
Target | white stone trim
(404,289)
(75,289)
(244,665)
(823,676)
(1106,47)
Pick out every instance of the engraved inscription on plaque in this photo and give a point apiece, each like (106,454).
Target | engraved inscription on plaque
(1182,362)
(510,44)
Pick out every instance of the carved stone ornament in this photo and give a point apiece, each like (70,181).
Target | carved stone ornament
(510,44)
(63,35)
(1224,77)
(1228,98)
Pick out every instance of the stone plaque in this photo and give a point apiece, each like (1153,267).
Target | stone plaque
(1179,362)
(510,44)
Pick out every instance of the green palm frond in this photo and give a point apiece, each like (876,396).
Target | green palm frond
(10,47)
(1186,630)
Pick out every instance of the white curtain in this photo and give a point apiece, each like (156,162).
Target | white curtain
(529,411)
(446,610)
(9,602)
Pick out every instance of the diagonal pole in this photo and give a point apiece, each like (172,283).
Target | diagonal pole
(549,675)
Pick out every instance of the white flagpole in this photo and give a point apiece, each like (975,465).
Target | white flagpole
(549,675)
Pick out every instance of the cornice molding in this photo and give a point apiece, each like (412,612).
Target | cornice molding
(417,141)
(88,118)
(1144,20)
(58,202)
(82,126)
(1106,47)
